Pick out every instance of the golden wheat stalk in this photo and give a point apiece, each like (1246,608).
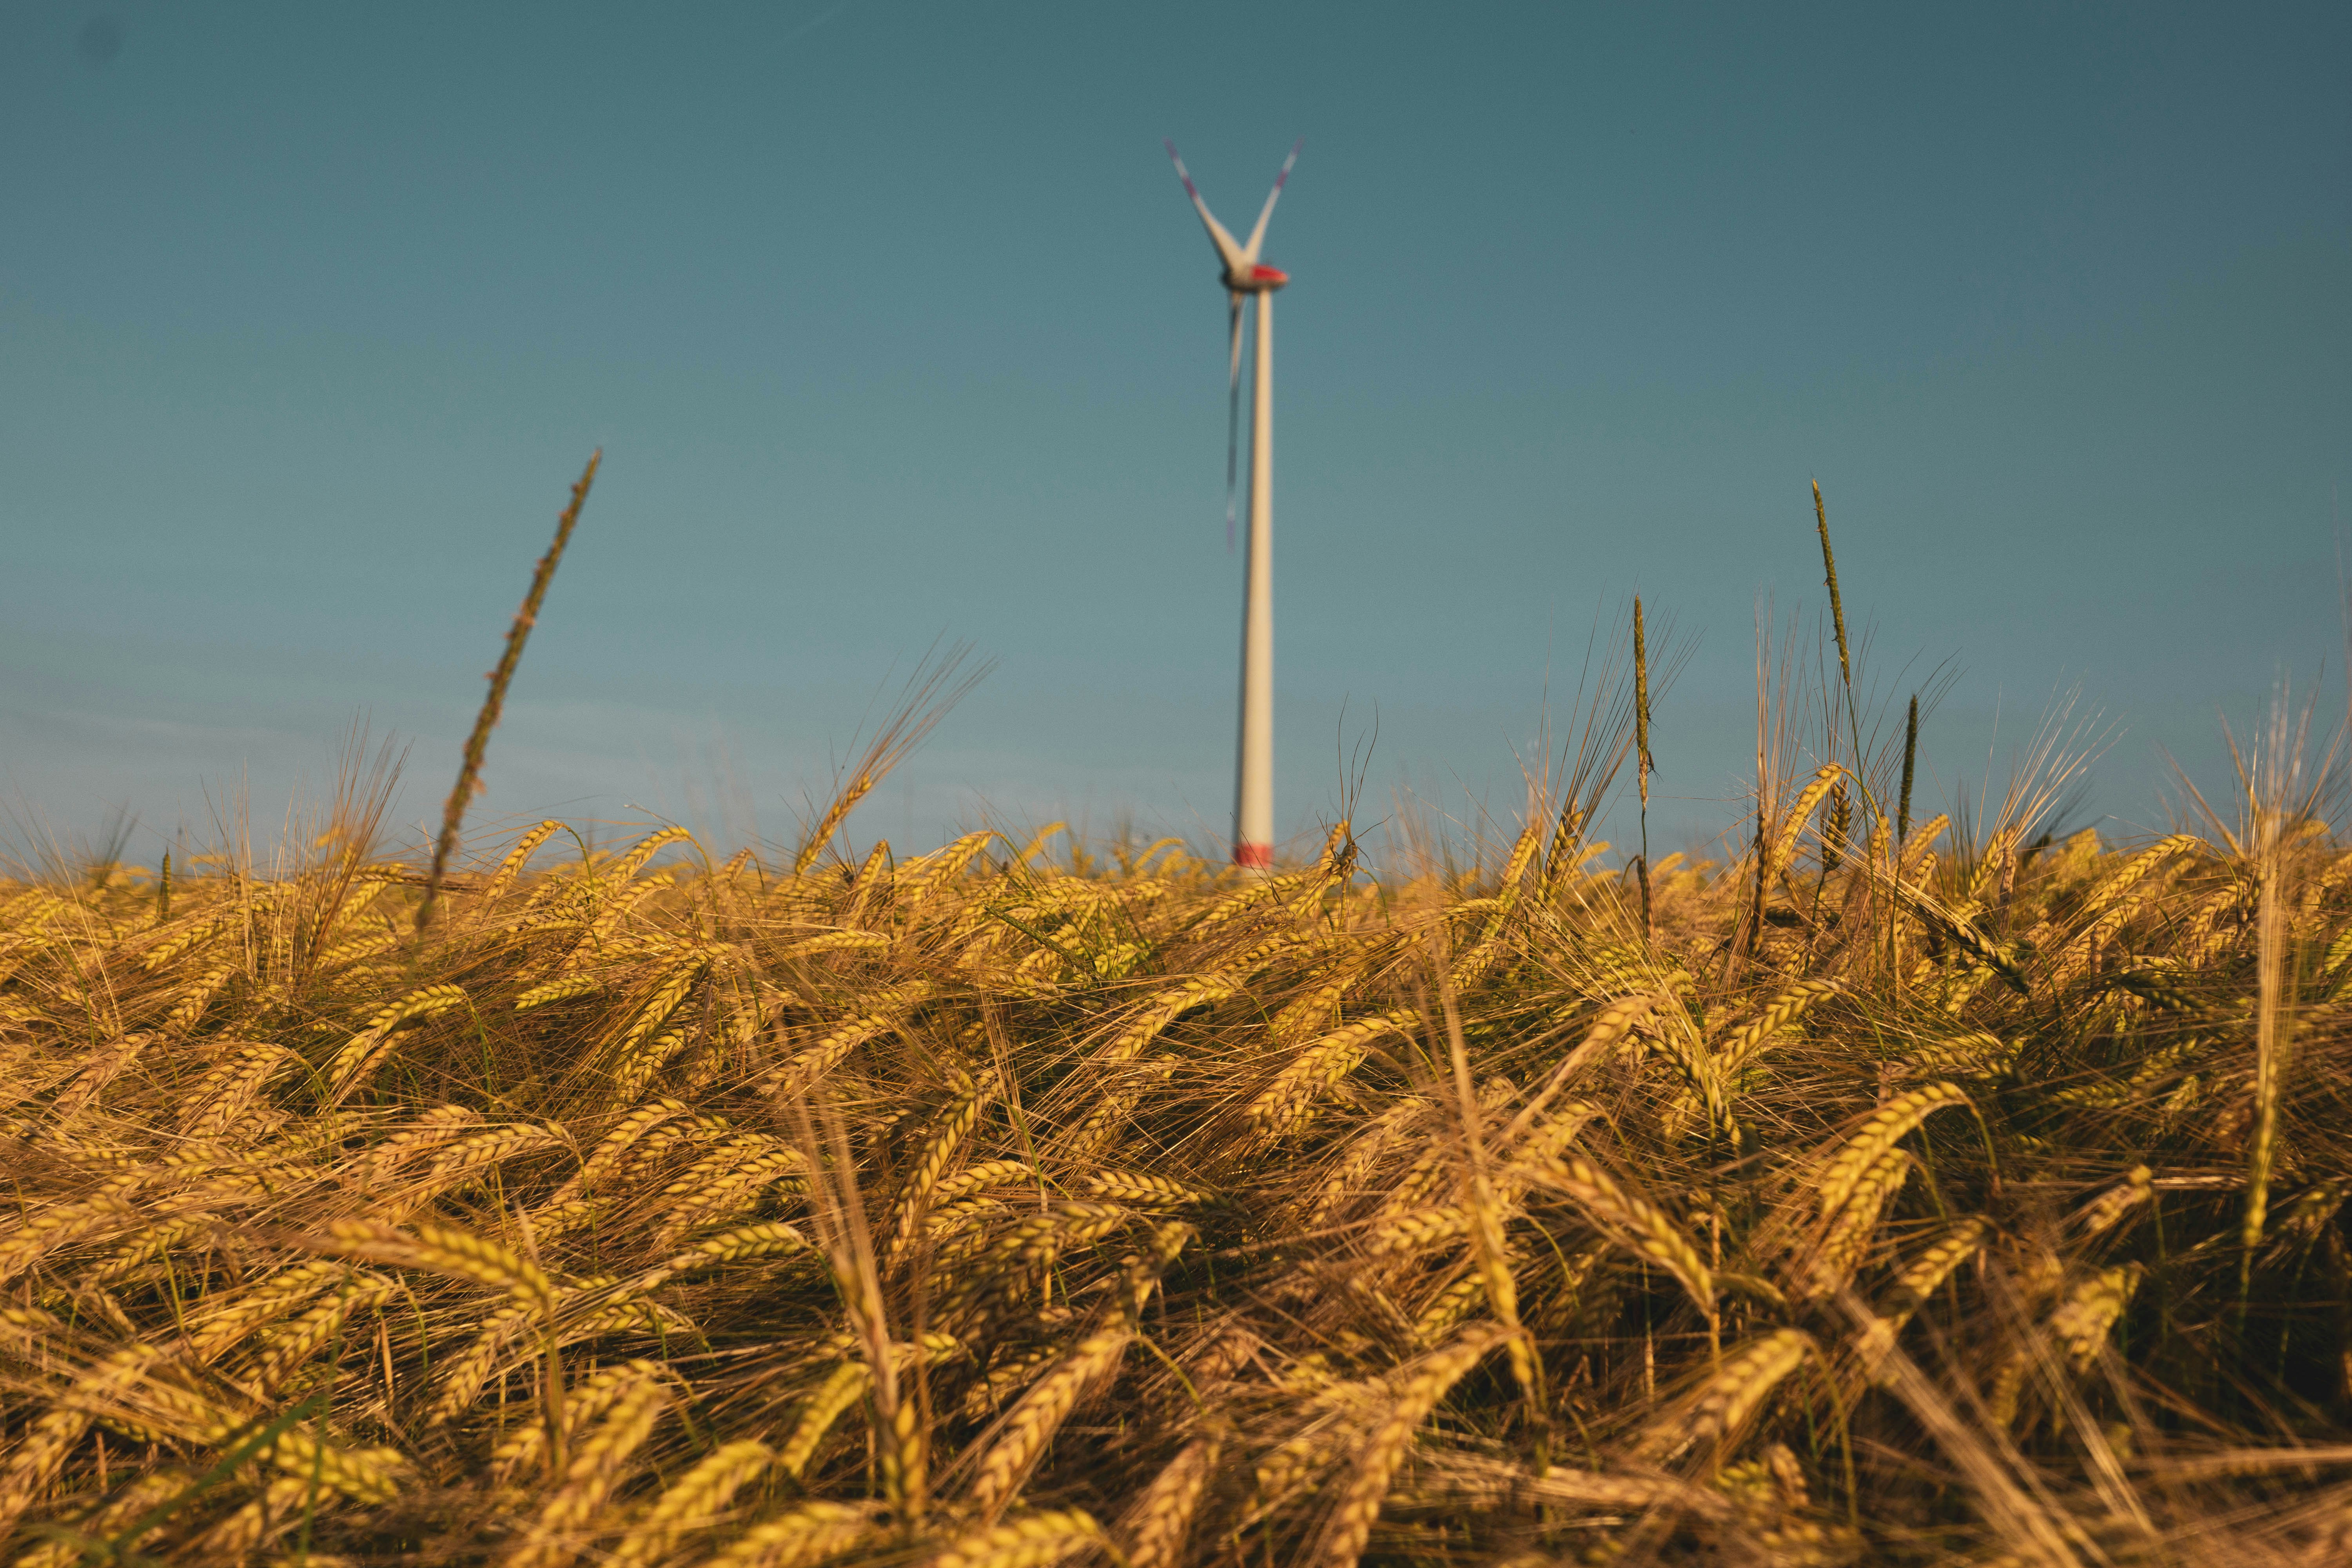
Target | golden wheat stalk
(595,1467)
(1840,1172)
(510,868)
(1028,1543)
(1935,1263)
(199,995)
(363,1475)
(221,1096)
(1418,1231)
(1152,1018)
(1784,852)
(1025,1432)
(278,1509)
(1845,1239)
(887,1011)
(1634,1223)
(800,1537)
(560,989)
(1156,1524)
(64,1226)
(37,1456)
(845,1386)
(2084,1319)
(1610,1026)
(1745,1044)
(1728,1397)
(946,1139)
(351,1065)
(218,1326)
(292,1346)
(918,878)
(1286,1103)
(1138,1190)
(1376,1459)
(1318,1009)
(624,871)
(616,1144)
(456,1162)
(526,1449)
(118,1527)
(446,1250)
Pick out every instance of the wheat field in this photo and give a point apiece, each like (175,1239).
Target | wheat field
(1877,1191)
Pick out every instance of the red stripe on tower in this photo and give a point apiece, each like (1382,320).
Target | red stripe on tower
(1255,856)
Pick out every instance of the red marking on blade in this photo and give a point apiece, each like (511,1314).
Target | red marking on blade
(1269,275)
(1254,857)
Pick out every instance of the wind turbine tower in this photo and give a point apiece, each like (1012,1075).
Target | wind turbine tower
(1246,277)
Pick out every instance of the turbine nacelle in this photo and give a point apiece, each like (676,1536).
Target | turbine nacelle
(1256,278)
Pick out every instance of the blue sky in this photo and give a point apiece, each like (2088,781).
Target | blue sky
(892,325)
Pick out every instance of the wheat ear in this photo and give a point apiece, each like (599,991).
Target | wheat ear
(945,1139)
(221,1096)
(1154,1016)
(594,1468)
(1843,1171)
(799,1537)
(1286,1104)
(1851,1226)
(351,1064)
(844,1387)
(1915,1285)
(1634,1223)
(1155,1526)
(1746,1042)
(315,1328)
(449,1251)
(1032,1423)
(1784,845)
(1029,1542)
(1730,1396)
(219,1327)
(278,1509)
(2083,1320)
(1613,1023)
(1376,1459)
(516,859)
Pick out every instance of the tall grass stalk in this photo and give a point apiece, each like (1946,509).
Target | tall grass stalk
(477,744)
(1910,762)
(1642,756)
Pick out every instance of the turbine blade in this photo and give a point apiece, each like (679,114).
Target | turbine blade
(1257,235)
(1227,251)
(1232,421)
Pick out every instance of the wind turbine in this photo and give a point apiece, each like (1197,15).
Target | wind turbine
(1245,275)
